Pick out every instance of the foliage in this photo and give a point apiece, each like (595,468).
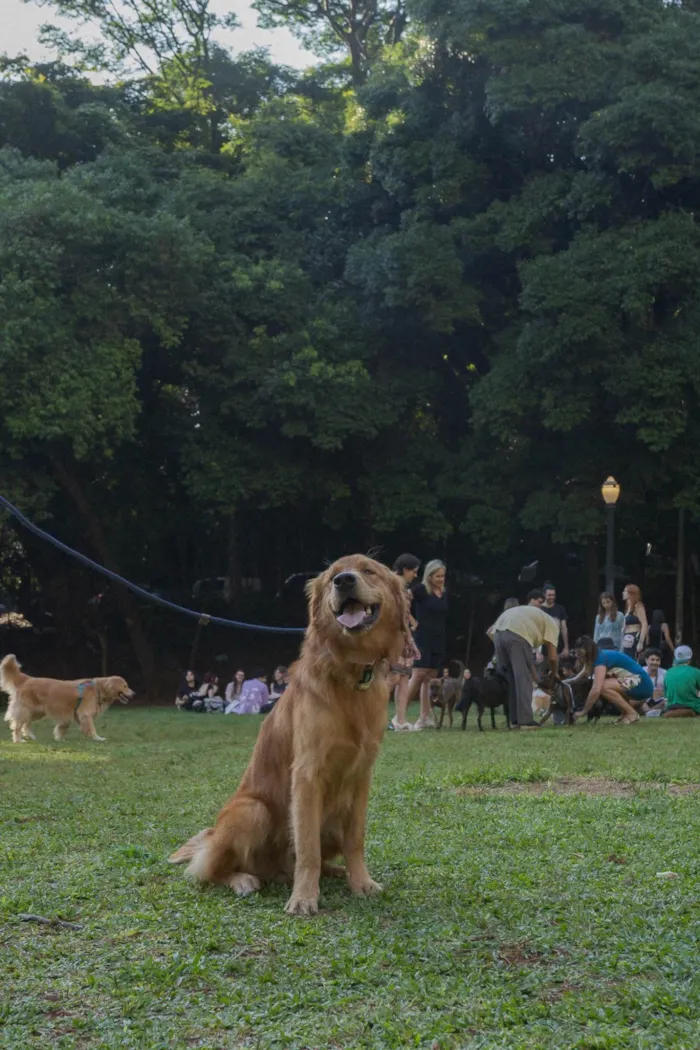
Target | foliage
(430,304)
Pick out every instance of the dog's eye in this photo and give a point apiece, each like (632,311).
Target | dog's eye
(369,572)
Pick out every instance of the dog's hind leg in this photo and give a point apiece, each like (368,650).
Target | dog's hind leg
(493,717)
(465,710)
(60,729)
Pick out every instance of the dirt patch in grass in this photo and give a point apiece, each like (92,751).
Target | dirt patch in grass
(578,786)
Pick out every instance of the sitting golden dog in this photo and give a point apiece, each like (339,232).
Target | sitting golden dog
(303,798)
(34,698)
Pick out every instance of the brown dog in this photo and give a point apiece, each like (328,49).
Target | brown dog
(445,692)
(303,798)
(35,698)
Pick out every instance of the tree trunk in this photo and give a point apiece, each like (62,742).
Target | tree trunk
(356,62)
(680,576)
(126,603)
(233,561)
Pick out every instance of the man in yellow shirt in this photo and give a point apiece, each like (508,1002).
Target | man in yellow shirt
(516,633)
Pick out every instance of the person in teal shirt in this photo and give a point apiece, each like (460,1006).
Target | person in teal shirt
(682,686)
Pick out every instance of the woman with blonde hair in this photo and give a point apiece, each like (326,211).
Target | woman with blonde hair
(609,621)
(429,608)
(636,626)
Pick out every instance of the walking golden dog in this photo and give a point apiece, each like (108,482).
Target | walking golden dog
(303,798)
(34,698)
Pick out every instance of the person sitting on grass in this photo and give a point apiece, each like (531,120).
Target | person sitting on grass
(652,666)
(617,678)
(187,691)
(254,693)
(233,689)
(682,686)
(210,694)
(280,681)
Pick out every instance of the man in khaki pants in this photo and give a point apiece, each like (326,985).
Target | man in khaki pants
(516,633)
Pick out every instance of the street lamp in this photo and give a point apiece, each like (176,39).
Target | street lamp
(611,494)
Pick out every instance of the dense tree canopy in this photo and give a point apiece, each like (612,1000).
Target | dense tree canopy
(426,295)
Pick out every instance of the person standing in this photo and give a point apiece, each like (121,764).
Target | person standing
(430,610)
(516,633)
(659,636)
(636,625)
(609,621)
(558,613)
(406,567)
(682,686)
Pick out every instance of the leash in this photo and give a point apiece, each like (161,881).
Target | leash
(203,618)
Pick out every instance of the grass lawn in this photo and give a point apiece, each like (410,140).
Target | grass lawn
(515,913)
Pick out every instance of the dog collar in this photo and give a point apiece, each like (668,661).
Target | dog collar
(367,678)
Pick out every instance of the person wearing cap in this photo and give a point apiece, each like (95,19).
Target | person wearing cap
(682,686)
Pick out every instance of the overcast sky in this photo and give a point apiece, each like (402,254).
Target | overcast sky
(19,24)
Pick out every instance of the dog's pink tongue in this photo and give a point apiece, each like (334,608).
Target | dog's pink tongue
(351,619)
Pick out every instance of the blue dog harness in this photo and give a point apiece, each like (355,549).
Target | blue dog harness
(81,687)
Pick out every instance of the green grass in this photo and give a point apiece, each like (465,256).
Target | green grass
(504,922)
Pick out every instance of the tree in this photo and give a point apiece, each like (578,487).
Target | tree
(359,27)
(85,281)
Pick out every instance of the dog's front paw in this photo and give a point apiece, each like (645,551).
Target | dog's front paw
(365,888)
(99,739)
(301,905)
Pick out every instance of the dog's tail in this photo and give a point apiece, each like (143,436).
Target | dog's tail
(10,675)
(191,848)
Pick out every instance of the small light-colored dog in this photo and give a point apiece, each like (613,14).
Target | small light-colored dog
(33,698)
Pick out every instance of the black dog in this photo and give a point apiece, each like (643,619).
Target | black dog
(569,695)
(490,691)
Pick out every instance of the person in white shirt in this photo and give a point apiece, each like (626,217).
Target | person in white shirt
(653,668)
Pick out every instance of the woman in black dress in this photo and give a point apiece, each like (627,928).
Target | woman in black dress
(659,637)
(429,608)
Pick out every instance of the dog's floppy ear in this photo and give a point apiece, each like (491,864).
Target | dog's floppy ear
(403,607)
(314,593)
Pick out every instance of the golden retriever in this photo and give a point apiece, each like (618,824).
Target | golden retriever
(34,698)
(303,798)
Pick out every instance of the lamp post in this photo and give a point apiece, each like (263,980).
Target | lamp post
(611,494)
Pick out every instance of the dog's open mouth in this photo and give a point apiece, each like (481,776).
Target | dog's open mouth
(123,698)
(353,616)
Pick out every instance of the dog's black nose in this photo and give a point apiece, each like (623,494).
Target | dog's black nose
(345,581)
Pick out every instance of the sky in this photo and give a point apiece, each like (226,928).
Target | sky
(19,25)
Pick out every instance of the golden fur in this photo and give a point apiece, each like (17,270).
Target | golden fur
(35,698)
(303,798)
